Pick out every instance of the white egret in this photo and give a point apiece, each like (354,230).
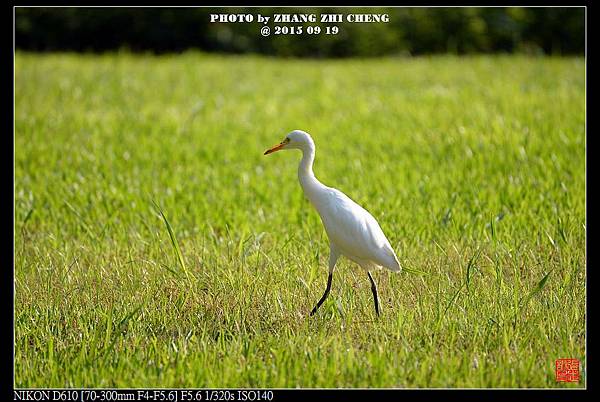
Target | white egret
(352,231)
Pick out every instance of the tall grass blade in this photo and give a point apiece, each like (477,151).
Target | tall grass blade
(537,289)
(173,240)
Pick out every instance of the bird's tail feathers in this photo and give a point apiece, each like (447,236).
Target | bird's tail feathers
(397,267)
(393,263)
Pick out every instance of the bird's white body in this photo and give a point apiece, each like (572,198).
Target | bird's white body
(352,230)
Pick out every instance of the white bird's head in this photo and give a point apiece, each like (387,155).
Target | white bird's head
(296,139)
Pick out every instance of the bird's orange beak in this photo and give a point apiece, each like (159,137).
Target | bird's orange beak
(275,148)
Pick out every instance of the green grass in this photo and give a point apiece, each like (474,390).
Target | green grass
(474,167)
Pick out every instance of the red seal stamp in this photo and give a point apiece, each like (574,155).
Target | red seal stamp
(567,370)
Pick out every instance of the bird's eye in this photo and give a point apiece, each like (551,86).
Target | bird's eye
(285,141)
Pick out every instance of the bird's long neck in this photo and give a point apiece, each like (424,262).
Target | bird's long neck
(311,186)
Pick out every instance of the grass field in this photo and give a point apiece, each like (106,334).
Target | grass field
(474,167)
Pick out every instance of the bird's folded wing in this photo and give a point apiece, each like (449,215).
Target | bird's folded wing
(356,232)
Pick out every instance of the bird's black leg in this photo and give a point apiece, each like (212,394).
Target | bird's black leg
(329,278)
(374,290)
